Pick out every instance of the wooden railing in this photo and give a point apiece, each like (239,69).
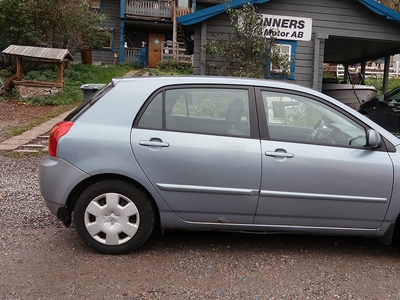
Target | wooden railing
(175,51)
(371,70)
(181,11)
(132,54)
(149,9)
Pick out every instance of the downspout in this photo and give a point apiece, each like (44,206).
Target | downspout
(122,31)
(346,73)
(203,40)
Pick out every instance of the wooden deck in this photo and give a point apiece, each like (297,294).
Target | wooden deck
(149,9)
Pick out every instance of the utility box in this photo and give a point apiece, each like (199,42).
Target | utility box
(90,88)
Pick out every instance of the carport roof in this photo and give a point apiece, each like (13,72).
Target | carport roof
(214,10)
(337,49)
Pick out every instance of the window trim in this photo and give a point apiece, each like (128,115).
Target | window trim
(109,31)
(253,118)
(98,7)
(264,133)
(293,49)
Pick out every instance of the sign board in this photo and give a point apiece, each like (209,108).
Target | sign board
(287,28)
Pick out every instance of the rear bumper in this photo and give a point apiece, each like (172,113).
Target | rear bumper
(57,178)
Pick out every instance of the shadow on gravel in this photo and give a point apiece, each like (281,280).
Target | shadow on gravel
(271,243)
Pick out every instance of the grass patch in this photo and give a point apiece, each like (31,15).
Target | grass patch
(74,77)
(173,67)
(15,154)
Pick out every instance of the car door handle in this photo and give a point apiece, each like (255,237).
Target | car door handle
(279,154)
(154,143)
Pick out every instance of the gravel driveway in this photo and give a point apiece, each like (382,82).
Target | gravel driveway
(40,259)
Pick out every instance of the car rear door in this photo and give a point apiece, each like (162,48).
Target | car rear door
(316,172)
(200,148)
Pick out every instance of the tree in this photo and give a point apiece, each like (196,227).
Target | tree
(246,51)
(393,4)
(16,27)
(51,23)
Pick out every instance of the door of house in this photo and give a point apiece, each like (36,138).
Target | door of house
(155,41)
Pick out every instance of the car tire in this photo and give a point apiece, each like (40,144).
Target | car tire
(114,217)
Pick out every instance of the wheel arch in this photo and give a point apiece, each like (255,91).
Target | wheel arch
(77,191)
(392,234)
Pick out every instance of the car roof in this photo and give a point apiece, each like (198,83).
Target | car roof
(162,81)
(198,79)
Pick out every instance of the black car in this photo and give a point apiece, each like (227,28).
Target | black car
(384,110)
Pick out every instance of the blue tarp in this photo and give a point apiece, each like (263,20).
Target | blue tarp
(381,9)
(204,14)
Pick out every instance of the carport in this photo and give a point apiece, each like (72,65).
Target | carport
(342,31)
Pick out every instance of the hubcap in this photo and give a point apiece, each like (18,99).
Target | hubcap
(112,219)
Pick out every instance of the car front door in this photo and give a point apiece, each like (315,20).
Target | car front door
(316,172)
(201,151)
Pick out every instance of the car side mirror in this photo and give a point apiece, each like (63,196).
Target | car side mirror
(381,98)
(374,139)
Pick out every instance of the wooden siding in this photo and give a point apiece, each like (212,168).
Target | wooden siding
(343,18)
(336,17)
(106,56)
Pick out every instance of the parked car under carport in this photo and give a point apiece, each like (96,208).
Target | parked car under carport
(384,110)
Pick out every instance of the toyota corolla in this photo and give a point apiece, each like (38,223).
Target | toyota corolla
(218,153)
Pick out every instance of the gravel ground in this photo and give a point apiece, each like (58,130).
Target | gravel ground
(40,259)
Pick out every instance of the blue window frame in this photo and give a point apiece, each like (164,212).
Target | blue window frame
(285,48)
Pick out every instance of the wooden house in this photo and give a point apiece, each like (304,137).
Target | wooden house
(332,31)
(132,22)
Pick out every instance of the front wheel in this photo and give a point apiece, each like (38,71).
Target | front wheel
(114,217)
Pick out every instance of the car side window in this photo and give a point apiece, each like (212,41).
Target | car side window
(296,118)
(220,111)
(152,117)
(395,97)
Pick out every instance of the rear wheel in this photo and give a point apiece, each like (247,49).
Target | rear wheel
(114,217)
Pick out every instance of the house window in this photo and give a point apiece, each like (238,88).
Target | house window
(108,38)
(288,50)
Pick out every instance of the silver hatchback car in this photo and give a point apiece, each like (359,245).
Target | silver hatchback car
(218,153)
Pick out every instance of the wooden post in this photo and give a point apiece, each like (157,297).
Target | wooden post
(19,68)
(60,69)
(174,30)
(363,72)
(386,71)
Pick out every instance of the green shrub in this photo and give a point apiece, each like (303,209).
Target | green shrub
(173,67)
(74,77)
(378,83)
(77,75)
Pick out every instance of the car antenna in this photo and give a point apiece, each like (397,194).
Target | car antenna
(150,71)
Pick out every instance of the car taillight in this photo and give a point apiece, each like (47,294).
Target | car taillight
(56,133)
